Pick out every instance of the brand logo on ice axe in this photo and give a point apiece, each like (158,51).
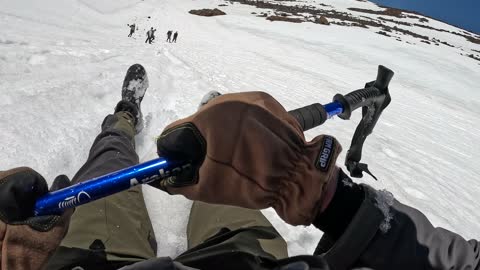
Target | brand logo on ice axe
(162,173)
(74,200)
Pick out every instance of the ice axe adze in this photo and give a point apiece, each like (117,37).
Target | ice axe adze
(373,99)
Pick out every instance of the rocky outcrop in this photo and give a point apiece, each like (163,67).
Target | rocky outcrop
(207,12)
(322,20)
(342,18)
(284,19)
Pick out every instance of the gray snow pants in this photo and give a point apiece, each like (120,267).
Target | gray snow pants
(116,231)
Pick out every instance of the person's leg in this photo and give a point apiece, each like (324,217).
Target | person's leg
(207,220)
(217,232)
(122,219)
(115,230)
(117,227)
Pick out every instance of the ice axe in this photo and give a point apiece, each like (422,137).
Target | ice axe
(373,99)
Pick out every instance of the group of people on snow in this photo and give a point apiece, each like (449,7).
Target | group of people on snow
(169,35)
(151,34)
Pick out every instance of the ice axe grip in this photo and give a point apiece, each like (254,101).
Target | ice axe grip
(373,92)
(373,99)
(310,116)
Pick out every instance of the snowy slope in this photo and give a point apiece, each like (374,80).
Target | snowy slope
(62,63)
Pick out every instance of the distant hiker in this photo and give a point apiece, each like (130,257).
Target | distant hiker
(169,34)
(132,29)
(153,34)
(150,35)
(175,37)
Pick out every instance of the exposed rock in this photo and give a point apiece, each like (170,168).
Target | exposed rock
(284,19)
(383,33)
(473,40)
(393,12)
(324,5)
(474,57)
(467,37)
(442,42)
(446,43)
(386,29)
(395,21)
(425,41)
(322,20)
(207,12)
(388,11)
(223,5)
(410,33)
(347,19)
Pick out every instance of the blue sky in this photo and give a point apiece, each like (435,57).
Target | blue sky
(461,13)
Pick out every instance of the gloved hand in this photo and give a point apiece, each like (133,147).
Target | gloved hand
(246,150)
(26,242)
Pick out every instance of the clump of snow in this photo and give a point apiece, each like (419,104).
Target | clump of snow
(384,200)
(209,96)
(139,87)
(347,182)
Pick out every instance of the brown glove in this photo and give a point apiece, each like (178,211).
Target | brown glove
(246,150)
(27,242)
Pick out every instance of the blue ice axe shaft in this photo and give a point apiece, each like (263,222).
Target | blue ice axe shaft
(97,188)
(160,168)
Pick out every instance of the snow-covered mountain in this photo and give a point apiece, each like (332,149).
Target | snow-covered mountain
(62,64)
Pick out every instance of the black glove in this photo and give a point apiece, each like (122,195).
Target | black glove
(26,242)
(19,190)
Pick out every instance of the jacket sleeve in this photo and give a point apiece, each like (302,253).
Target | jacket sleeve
(386,234)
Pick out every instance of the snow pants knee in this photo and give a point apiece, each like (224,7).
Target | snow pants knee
(228,237)
(116,228)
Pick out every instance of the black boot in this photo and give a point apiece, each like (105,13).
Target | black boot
(134,87)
